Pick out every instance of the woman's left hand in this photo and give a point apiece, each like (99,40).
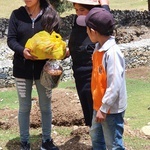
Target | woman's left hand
(104,2)
(27,55)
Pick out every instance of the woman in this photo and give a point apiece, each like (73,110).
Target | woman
(23,24)
(81,49)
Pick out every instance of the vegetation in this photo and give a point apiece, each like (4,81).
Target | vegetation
(7,6)
(138,100)
(137,114)
(61,5)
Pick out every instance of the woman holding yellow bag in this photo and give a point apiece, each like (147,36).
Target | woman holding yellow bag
(24,23)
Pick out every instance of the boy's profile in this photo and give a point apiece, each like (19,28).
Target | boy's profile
(108,82)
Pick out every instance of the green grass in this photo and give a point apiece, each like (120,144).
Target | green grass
(137,143)
(129,4)
(138,103)
(9,99)
(7,6)
(64,131)
(137,114)
(11,135)
(67,84)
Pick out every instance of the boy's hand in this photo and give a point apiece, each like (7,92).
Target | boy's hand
(100,116)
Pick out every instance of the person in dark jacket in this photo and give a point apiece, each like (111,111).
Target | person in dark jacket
(81,49)
(25,22)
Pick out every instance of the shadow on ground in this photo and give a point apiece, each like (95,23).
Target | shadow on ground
(72,144)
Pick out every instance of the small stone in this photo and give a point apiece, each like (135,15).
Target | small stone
(146,130)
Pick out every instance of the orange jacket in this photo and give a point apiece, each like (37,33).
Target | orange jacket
(99,80)
(108,83)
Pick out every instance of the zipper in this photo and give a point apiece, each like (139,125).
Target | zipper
(33,20)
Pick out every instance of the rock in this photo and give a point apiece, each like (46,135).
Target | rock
(146,130)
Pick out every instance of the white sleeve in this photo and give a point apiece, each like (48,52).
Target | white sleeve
(114,65)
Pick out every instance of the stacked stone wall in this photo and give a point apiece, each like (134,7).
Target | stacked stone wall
(137,53)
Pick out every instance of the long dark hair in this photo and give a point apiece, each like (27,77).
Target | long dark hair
(50,19)
(44,4)
(88,7)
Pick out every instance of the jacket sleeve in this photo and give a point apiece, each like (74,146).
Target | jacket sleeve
(106,7)
(115,78)
(12,35)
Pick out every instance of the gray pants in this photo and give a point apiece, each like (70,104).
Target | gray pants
(24,89)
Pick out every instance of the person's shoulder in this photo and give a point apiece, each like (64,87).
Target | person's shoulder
(20,13)
(20,9)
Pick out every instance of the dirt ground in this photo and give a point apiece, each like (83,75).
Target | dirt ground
(127,34)
(68,129)
(67,116)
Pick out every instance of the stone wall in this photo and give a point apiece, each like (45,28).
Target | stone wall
(122,18)
(136,53)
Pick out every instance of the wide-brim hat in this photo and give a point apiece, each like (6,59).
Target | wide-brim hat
(86,2)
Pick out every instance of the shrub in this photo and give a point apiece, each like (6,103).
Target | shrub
(61,5)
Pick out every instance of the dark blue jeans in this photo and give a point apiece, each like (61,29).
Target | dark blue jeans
(111,130)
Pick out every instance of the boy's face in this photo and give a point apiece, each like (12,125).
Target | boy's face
(92,35)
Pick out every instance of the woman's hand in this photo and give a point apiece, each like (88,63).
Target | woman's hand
(104,2)
(67,52)
(27,55)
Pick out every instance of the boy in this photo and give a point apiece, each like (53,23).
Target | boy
(108,82)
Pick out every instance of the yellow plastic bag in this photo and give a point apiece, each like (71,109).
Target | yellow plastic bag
(47,46)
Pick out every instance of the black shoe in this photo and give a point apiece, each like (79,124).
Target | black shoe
(49,145)
(25,146)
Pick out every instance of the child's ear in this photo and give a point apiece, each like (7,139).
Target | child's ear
(93,31)
(90,29)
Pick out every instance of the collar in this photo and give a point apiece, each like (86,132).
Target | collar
(109,43)
(40,14)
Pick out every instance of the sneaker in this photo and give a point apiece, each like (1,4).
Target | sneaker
(49,145)
(25,146)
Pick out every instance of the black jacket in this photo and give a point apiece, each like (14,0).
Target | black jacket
(19,31)
(81,49)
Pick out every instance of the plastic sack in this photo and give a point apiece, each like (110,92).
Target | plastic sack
(47,46)
(51,74)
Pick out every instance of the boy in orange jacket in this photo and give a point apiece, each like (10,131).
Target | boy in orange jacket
(108,82)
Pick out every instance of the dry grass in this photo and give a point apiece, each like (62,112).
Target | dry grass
(6,6)
(129,4)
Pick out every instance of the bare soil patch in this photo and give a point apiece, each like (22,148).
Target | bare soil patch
(67,116)
(68,131)
(142,73)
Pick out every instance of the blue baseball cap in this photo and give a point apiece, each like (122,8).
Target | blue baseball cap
(100,20)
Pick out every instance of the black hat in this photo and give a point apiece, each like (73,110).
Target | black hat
(100,20)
